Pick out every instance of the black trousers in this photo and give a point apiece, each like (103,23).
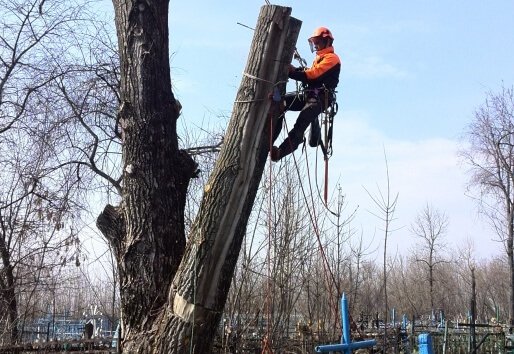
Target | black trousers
(310,107)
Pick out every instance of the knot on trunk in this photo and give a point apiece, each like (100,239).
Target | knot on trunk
(112,225)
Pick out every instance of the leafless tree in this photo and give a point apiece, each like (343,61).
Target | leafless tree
(29,42)
(490,157)
(405,288)
(33,234)
(359,251)
(38,194)
(430,227)
(386,204)
(371,299)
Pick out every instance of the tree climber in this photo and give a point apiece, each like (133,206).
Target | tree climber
(319,81)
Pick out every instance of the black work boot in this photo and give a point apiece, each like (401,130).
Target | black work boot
(315,133)
(275,154)
(286,148)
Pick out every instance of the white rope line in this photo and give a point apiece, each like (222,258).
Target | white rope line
(249,101)
(258,78)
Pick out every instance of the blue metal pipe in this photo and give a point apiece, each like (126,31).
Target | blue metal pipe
(345,347)
(345,339)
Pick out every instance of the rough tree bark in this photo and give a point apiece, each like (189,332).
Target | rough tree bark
(147,229)
(8,295)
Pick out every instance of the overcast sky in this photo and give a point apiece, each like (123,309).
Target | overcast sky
(413,74)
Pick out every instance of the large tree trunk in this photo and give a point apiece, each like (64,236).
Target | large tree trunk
(147,229)
(12,306)
(7,293)
(8,299)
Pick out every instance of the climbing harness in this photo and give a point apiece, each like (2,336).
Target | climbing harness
(326,144)
(330,108)
(327,124)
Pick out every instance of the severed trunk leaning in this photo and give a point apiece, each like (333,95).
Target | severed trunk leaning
(200,287)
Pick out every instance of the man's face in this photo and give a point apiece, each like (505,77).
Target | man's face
(317,43)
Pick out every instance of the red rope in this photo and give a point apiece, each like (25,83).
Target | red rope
(325,193)
(266,348)
(326,266)
(265,341)
(325,121)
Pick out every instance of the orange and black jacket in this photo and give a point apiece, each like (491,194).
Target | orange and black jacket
(324,71)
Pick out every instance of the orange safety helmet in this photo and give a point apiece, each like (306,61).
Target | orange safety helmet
(322,32)
(325,34)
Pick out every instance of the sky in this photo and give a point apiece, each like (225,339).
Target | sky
(413,73)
